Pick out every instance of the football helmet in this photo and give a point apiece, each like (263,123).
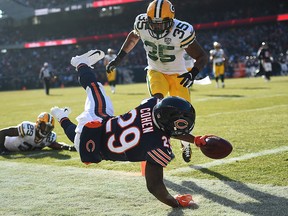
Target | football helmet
(110,51)
(264,44)
(216,45)
(174,115)
(44,124)
(160,15)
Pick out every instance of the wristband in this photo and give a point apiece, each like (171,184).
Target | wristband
(194,71)
(119,57)
(66,147)
(121,54)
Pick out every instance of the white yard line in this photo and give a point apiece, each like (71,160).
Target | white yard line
(244,111)
(41,189)
(228,160)
(217,97)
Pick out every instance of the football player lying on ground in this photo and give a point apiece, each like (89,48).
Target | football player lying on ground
(29,136)
(143,134)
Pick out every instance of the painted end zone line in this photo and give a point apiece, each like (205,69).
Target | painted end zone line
(227,161)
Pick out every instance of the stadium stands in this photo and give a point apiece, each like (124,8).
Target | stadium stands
(20,67)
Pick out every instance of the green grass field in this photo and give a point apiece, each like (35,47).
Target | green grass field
(252,180)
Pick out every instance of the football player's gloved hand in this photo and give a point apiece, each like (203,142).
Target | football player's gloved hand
(185,200)
(111,65)
(115,62)
(189,77)
(200,140)
(68,147)
(72,148)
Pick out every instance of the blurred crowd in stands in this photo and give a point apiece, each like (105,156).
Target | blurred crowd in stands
(19,68)
(39,4)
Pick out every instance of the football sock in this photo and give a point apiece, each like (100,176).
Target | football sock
(69,128)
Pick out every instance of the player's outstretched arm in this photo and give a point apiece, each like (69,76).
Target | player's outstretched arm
(62,146)
(196,51)
(129,44)
(197,140)
(156,186)
(11,131)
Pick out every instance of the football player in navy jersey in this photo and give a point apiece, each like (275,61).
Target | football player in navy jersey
(142,134)
(265,61)
(165,41)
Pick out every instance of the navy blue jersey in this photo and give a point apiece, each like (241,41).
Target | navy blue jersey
(132,136)
(264,54)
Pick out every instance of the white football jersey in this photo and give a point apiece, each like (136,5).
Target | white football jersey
(218,55)
(166,54)
(26,141)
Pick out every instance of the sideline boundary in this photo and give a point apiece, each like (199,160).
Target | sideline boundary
(229,160)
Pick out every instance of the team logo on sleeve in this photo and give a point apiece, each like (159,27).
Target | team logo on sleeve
(167,40)
(90,146)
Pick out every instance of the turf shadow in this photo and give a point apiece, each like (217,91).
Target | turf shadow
(131,93)
(39,154)
(265,204)
(226,96)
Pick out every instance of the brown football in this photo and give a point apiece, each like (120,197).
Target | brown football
(216,147)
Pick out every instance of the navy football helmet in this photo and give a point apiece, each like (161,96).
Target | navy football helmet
(174,115)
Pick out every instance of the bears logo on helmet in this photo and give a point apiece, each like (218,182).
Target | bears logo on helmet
(174,115)
(181,124)
(160,15)
(44,124)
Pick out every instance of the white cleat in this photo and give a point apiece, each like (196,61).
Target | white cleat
(89,58)
(60,113)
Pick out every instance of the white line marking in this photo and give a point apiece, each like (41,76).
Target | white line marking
(227,161)
(219,97)
(247,110)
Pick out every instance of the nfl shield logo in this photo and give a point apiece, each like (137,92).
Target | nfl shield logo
(167,40)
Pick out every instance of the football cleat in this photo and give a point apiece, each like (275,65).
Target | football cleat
(60,113)
(44,124)
(186,151)
(89,58)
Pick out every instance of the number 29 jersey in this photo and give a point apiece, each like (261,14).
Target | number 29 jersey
(26,140)
(132,136)
(166,54)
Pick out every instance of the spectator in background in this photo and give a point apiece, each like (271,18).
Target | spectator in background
(283,61)
(46,75)
(265,61)
(218,58)
(111,77)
